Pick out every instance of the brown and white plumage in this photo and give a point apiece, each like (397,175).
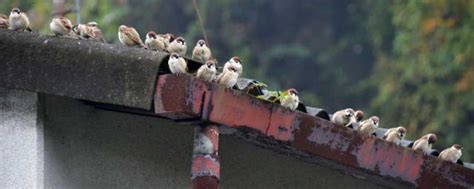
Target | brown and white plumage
(228,77)
(60,26)
(178,45)
(201,52)
(128,36)
(82,30)
(95,32)
(90,31)
(395,135)
(343,117)
(291,100)
(18,20)
(3,21)
(451,154)
(359,115)
(167,39)
(207,71)
(153,42)
(369,126)
(425,143)
(236,63)
(177,64)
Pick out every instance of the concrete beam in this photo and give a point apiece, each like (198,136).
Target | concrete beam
(79,69)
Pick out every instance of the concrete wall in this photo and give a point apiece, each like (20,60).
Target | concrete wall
(21,140)
(86,147)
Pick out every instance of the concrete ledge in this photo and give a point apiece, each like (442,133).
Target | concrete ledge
(78,68)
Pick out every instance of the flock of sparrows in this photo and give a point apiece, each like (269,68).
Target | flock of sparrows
(231,71)
(354,119)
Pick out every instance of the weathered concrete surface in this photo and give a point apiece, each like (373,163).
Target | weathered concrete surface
(243,165)
(21,140)
(87,147)
(78,68)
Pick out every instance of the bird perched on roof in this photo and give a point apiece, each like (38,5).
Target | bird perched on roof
(167,39)
(153,42)
(95,32)
(236,63)
(369,126)
(178,45)
(343,117)
(177,64)
(128,36)
(3,21)
(18,20)
(207,71)
(201,51)
(395,135)
(60,26)
(359,114)
(290,100)
(90,30)
(228,77)
(425,143)
(451,154)
(81,30)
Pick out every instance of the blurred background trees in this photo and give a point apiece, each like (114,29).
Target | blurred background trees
(410,62)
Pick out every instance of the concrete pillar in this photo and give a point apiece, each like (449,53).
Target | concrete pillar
(21,140)
(205,171)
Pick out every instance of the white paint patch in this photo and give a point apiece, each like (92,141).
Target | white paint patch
(202,144)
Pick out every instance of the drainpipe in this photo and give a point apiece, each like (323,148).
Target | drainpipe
(205,170)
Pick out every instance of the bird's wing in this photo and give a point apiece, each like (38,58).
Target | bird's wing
(98,35)
(200,70)
(362,124)
(184,64)
(66,23)
(388,132)
(219,78)
(133,35)
(416,143)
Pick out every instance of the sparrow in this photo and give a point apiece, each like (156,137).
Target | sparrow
(128,36)
(177,64)
(395,135)
(201,52)
(425,143)
(18,20)
(3,21)
(178,46)
(167,39)
(451,154)
(359,114)
(94,32)
(153,42)
(228,77)
(60,26)
(343,117)
(234,62)
(291,100)
(89,31)
(369,126)
(207,71)
(81,30)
